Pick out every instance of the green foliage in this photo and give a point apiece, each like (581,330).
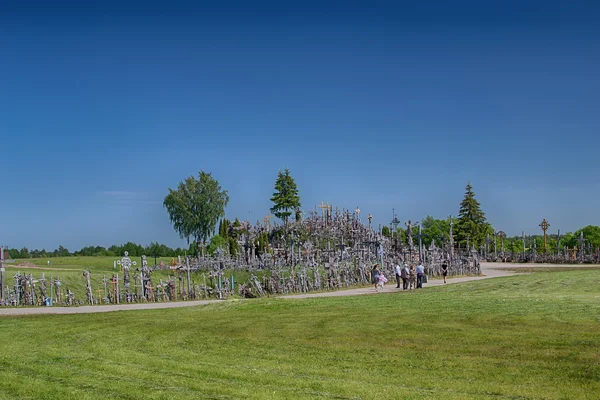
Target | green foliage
(224,228)
(216,242)
(591,234)
(286,198)
(24,253)
(472,226)
(196,206)
(400,234)
(261,243)
(385,231)
(436,230)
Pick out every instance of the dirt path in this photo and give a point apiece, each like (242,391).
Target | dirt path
(489,270)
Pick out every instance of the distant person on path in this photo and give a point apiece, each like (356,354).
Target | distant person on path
(445,271)
(398,276)
(412,278)
(404,275)
(382,280)
(375,275)
(420,273)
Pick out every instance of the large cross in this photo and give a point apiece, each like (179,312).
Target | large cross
(501,235)
(267,220)
(323,207)
(544,225)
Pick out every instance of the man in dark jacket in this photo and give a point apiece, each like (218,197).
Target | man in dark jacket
(404,276)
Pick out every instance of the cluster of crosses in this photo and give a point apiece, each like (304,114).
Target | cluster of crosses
(314,252)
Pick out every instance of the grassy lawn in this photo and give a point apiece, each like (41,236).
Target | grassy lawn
(530,336)
(90,263)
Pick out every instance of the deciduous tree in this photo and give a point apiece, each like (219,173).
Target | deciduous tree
(196,206)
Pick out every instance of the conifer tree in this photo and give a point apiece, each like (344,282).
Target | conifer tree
(472,225)
(286,198)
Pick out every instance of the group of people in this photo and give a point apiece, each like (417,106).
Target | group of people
(411,278)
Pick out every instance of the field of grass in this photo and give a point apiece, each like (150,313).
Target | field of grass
(532,336)
(92,264)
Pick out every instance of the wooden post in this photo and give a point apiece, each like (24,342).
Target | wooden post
(189,283)
(2,273)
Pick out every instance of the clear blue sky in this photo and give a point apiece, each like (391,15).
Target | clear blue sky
(371,104)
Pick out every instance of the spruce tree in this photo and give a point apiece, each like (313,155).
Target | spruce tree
(472,226)
(286,198)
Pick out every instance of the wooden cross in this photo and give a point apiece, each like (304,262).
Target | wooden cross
(150,289)
(324,207)
(267,219)
(114,281)
(544,225)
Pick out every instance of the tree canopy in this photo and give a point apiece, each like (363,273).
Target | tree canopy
(195,207)
(286,198)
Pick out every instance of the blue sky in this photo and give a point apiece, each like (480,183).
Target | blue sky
(379,105)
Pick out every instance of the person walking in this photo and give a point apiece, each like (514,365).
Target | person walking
(445,271)
(375,276)
(398,276)
(404,275)
(382,280)
(420,273)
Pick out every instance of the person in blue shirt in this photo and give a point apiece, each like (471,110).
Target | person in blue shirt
(420,273)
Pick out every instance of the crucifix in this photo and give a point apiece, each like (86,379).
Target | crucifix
(523,242)
(409,226)
(544,225)
(370,218)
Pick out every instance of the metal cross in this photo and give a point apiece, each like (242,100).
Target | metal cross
(544,225)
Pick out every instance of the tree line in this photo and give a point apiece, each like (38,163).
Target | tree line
(154,249)
(472,229)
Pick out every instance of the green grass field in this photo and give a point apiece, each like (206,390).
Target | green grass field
(534,336)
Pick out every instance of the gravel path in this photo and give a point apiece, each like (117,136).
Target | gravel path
(489,270)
